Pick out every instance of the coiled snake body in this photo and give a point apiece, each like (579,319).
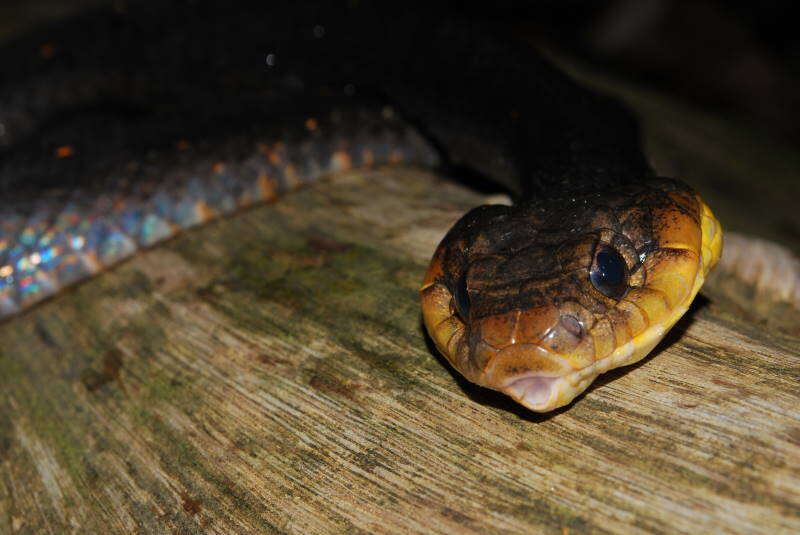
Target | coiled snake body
(123,128)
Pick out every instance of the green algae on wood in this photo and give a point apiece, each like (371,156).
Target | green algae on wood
(268,373)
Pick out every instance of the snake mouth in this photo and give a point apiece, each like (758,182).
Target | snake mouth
(536,392)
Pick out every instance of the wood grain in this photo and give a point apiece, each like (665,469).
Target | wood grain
(269,374)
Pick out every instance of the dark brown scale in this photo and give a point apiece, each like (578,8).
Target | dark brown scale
(519,258)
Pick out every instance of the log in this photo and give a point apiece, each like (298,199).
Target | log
(269,373)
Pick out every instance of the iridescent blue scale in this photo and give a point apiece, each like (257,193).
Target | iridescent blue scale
(221,193)
(187,211)
(115,246)
(129,219)
(153,230)
(67,238)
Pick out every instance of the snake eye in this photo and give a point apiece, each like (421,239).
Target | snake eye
(609,273)
(461,296)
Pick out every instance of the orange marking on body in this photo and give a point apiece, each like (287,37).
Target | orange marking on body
(205,211)
(91,258)
(395,157)
(275,154)
(311,124)
(266,187)
(65,151)
(183,144)
(47,50)
(219,167)
(292,176)
(342,161)
(368,156)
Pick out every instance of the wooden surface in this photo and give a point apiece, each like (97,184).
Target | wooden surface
(269,374)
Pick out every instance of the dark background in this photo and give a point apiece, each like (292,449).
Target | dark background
(735,56)
(731,69)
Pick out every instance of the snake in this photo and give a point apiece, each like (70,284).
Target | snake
(131,124)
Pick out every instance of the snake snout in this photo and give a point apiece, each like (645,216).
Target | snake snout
(529,373)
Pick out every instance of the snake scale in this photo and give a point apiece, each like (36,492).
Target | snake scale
(125,126)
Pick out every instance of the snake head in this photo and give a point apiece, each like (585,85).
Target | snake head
(536,300)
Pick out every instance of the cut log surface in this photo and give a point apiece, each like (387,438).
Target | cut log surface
(268,373)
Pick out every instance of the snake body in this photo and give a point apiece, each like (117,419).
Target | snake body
(123,128)
(64,235)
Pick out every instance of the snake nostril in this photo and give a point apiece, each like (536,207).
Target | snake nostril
(572,325)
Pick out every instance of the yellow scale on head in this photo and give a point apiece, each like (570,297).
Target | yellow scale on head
(676,270)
